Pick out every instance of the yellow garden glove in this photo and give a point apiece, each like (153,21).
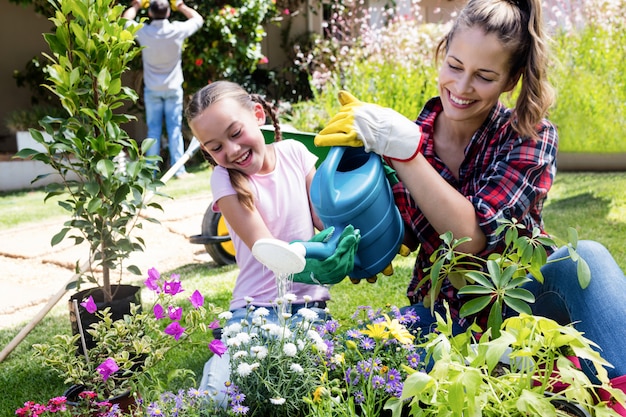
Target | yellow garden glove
(379,129)
(173,4)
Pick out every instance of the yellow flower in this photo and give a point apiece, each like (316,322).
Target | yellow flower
(377,331)
(318,394)
(398,331)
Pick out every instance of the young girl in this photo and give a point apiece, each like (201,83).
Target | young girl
(262,190)
(468,161)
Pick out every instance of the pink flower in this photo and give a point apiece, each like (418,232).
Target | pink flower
(218,347)
(174,286)
(107,368)
(174,329)
(90,305)
(197,300)
(159,311)
(152,282)
(57,404)
(175,313)
(264,60)
(215,324)
(286,12)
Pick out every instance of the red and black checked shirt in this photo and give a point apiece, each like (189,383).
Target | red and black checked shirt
(503,175)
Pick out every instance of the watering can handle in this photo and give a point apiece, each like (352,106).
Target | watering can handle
(329,166)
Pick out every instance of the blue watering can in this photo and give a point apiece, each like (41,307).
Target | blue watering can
(350,187)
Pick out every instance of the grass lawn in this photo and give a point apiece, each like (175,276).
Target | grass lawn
(593,203)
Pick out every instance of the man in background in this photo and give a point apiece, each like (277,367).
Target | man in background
(163,73)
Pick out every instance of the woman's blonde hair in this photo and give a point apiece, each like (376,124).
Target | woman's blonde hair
(519,26)
(213,93)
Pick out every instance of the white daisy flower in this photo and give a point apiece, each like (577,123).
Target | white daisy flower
(290,350)
(225,315)
(277,401)
(260,352)
(308,314)
(296,368)
(240,354)
(261,312)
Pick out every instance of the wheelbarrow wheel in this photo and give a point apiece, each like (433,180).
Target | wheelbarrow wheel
(213,224)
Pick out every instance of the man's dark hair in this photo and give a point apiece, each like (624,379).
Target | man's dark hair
(159,9)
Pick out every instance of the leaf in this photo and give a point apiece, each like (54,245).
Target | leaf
(518,305)
(584,273)
(58,238)
(475,290)
(474,306)
(494,322)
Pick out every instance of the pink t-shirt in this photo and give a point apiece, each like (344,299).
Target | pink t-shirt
(282,201)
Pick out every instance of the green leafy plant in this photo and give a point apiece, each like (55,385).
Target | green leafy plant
(106,178)
(514,374)
(497,281)
(127,350)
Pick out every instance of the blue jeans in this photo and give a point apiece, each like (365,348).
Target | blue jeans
(598,311)
(166,105)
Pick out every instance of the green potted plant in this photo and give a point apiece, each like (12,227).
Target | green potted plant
(512,366)
(509,375)
(106,179)
(121,364)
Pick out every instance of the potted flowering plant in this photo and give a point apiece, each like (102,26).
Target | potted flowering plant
(127,350)
(273,365)
(365,366)
(86,405)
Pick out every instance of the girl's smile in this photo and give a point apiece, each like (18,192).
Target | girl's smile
(231,135)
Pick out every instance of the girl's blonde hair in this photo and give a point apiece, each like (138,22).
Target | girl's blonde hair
(213,93)
(519,26)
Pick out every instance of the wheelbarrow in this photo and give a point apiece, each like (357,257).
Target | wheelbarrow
(214,235)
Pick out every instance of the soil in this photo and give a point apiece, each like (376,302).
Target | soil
(35,274)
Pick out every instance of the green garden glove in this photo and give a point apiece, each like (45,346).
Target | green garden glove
(337,266)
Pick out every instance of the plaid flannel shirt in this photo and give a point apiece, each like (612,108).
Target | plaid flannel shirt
(503,175)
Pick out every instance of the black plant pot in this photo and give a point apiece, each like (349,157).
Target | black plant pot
(124,296)
(567,406)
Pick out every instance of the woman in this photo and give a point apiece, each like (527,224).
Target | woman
(468,161)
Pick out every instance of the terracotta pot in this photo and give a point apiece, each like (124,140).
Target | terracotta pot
(120,306)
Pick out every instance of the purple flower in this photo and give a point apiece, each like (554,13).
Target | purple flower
(378,382)
(175,313)
(394,376)
(240,409)
(215,324)
(368,343)
(159,311)
(107,368)
(174,329)
(414,360)
(197,300)
(152,282)
(331,326)
(90,305)
(218,347)
(359,398)
(174,286)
